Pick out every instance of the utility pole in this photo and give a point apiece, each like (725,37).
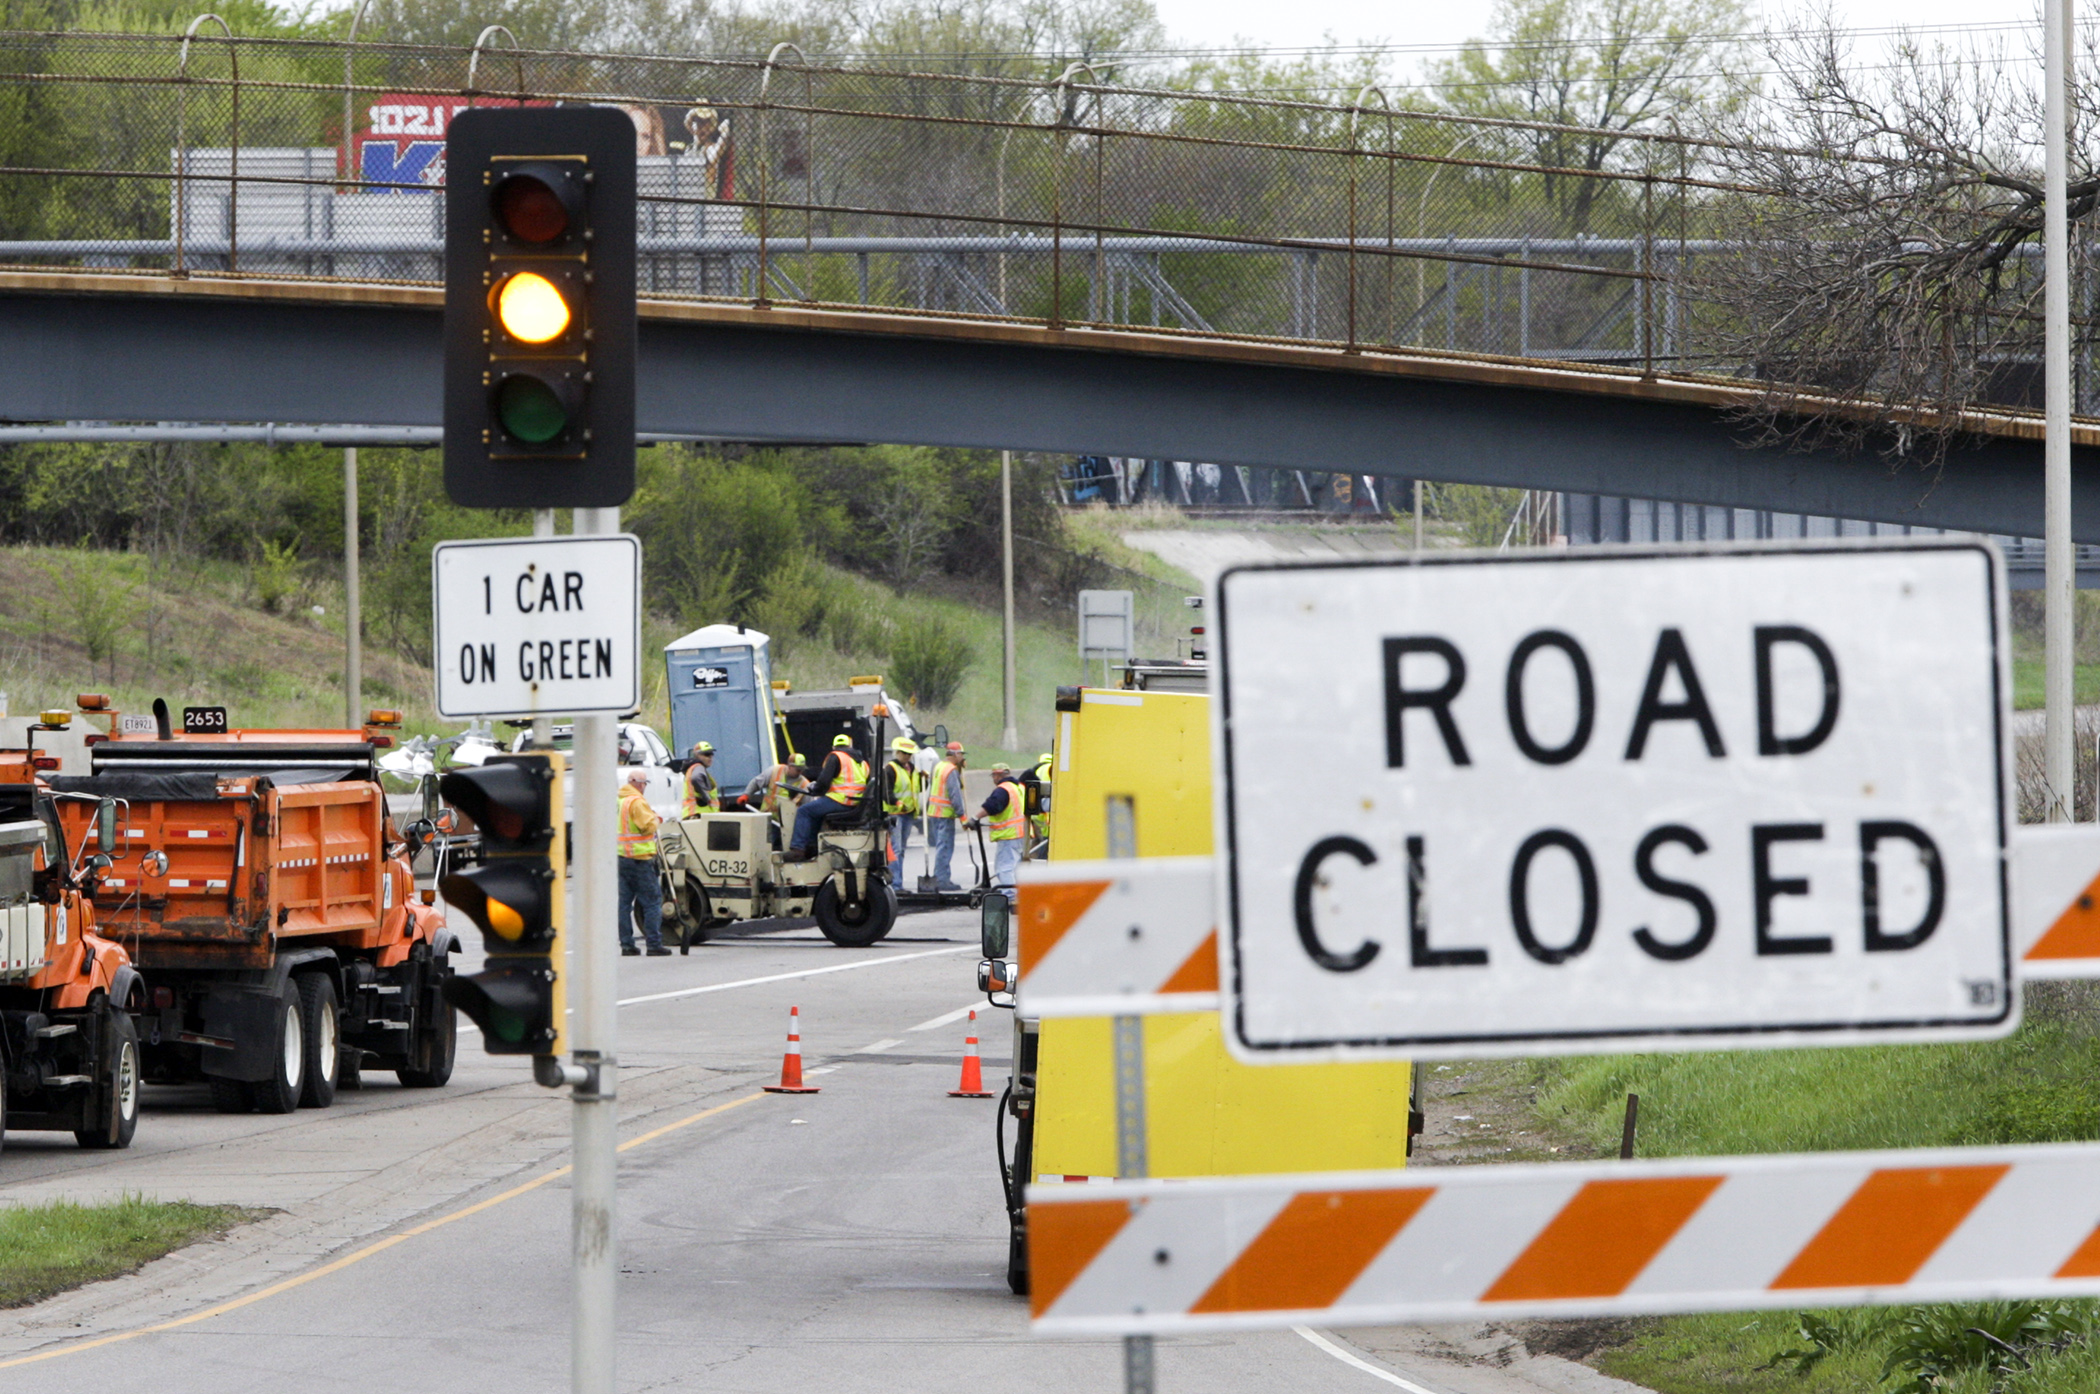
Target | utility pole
(2059,574)
(353,604)
(594,980)
(1010,738)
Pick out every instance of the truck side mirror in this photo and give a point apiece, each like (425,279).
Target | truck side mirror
(106,827)
(995,925)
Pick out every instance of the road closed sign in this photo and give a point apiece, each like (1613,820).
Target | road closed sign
(1638,799)
(538,626)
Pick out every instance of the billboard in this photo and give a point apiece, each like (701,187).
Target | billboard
(400,146)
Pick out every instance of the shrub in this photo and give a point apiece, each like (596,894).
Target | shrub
(277,574)
(928,659)
(1482,513)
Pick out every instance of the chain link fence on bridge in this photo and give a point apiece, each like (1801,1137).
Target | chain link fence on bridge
(1369,225)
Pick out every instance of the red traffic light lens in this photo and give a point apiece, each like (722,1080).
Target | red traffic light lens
(530,408)
(531,209)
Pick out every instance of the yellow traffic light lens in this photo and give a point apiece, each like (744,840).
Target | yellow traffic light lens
(530,309)
(504,920)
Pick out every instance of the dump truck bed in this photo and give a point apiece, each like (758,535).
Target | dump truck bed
(251,861)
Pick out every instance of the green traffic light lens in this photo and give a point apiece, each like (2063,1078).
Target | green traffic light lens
(530,410)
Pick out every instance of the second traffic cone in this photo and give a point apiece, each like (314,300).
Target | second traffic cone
(972,1085)
(791,1063)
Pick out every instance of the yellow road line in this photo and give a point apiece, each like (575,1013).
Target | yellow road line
(362,1254)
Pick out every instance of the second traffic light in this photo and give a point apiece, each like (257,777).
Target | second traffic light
(539,308)
(516,897)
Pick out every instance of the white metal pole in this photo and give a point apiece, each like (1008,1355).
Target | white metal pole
(543,725)
(2059,574)
(593,984)
(353,603)
(1010,737)
(1418,515)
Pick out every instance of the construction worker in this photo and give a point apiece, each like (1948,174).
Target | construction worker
(838,788)
(1037,781)
(701,792)
(1005,811)
(944,801)
(639,887)
(902,785)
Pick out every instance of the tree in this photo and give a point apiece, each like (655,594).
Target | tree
(1886,281)
(1610,68)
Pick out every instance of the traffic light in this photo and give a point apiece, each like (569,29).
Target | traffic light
(515,896)
(539,308)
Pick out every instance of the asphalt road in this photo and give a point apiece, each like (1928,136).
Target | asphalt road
(849,1240)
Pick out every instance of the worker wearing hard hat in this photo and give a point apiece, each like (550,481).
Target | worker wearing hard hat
(639,888)
(701,792)
(944,802)
(1037,784)
(902,785)
(1004,813)
(838,788)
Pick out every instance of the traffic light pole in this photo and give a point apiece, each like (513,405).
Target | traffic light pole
(593,1002)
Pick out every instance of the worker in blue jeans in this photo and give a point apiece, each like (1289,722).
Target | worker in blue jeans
(836,789)
(638,882)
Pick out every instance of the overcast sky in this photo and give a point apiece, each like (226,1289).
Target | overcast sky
(1450,22)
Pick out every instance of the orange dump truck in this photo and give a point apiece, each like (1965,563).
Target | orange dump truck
(266,895)
(69,1053)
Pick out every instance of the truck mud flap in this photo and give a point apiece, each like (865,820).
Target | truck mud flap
(248,1018)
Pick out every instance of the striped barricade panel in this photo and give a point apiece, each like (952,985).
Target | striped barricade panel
(2056,901)
(1118,938)
(1701,1234)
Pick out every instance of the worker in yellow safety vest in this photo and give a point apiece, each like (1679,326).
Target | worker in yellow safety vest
(639,889)
(838,788)
(1037,783)
(944,802)
(902,785)
(1004,812)
(701,792)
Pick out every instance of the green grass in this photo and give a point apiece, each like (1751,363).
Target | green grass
(2038,1086)
(2027,683)
(47,1249)
(192,632)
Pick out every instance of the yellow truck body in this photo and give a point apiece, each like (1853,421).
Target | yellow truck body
(1206,1114)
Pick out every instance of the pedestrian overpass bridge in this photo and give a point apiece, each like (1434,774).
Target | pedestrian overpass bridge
(836,253)
(78,346)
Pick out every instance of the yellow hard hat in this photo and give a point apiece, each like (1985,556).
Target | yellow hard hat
(841,741)
(905,745)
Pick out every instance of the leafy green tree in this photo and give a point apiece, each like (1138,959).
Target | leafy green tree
(1612,67)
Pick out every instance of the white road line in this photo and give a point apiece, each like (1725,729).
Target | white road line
(1348,1357)
(803,973)
(957,1015)
(886,1043)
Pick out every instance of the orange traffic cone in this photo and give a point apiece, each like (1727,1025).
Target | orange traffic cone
(791,1063)
(972,1085)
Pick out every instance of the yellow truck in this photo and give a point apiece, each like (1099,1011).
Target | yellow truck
(1132,776)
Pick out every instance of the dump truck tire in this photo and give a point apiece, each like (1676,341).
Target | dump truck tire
(280,1092)
(121,1089)
(444,1046)
(858,925)
(321,1035)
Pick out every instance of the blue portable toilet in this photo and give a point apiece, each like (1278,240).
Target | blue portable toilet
(720,681)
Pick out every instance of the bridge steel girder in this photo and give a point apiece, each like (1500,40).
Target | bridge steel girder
(323,355)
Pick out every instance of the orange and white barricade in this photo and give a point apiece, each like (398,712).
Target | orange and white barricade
(2056,900)
(1696,1234)
(1118,938)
